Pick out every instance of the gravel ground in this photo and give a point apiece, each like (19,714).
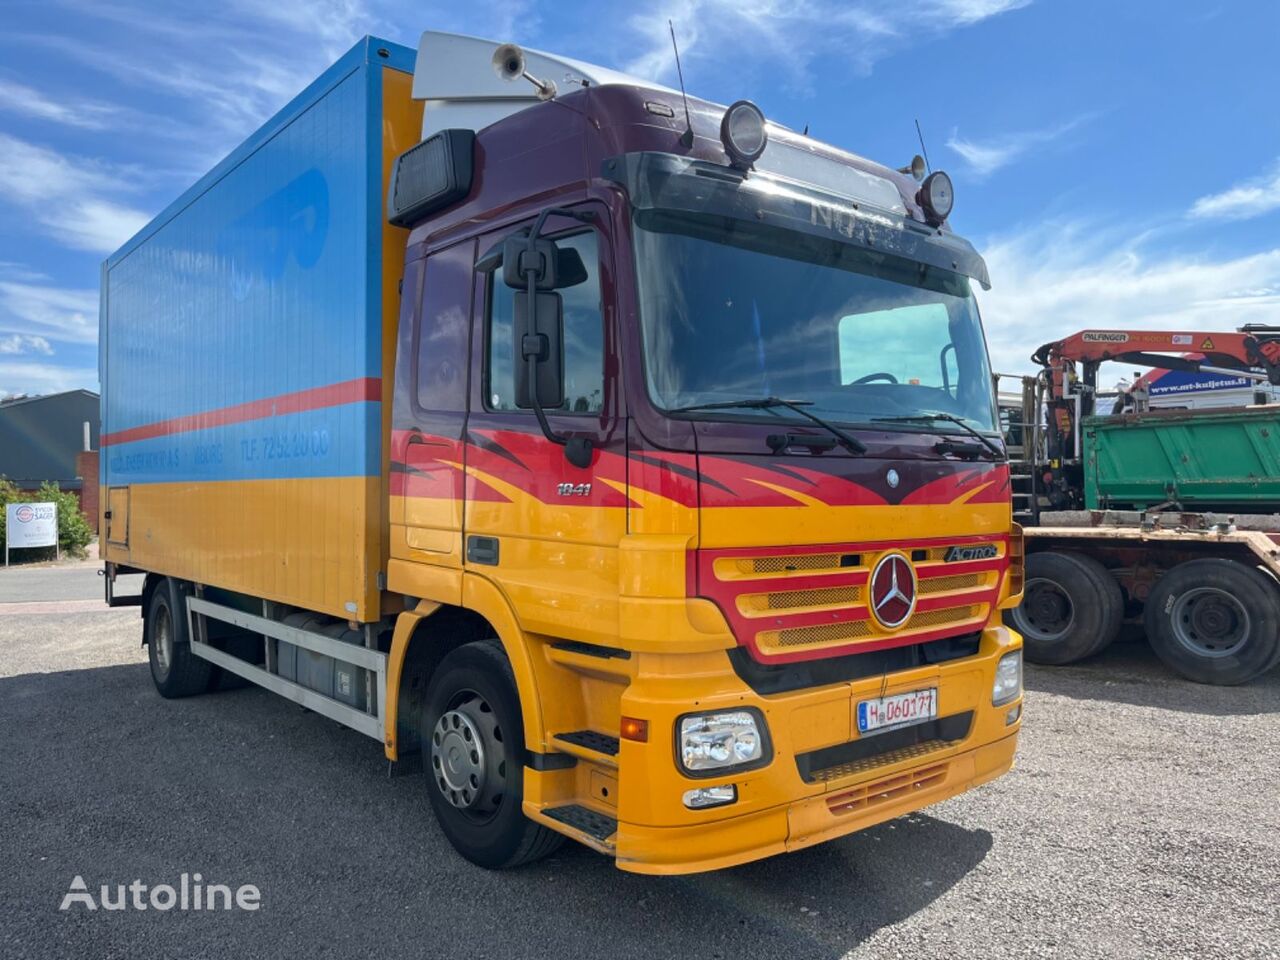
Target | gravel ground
(1141,821)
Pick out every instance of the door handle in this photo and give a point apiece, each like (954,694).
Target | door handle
(482,550)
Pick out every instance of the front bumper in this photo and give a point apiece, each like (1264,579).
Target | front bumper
(803,823)
(779,808)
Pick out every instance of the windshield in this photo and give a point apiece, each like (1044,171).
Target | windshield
(732,311)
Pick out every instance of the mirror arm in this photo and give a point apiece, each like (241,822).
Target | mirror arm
(577,450)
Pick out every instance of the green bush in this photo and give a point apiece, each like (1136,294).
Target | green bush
(74,532)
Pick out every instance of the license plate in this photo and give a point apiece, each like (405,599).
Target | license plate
(899,710)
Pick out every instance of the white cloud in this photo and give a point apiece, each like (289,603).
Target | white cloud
(788,35)
(986,157)
(75,112)
(73,199)
(47,312)
(1249,198)
(971,11)
(1054,279)
(24,343)
(33,377)
(235,63)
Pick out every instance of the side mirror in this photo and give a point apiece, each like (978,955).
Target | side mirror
(546,345)
(518,262)
(512,254)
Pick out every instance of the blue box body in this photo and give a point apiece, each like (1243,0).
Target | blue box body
(241,343)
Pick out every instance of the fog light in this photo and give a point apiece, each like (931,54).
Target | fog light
(704,797)
(1012,716)
(743,134)
(937,197)
(720,741)
(1008,683)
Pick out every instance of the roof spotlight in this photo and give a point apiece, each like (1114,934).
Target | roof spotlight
(937,197)
(743,134)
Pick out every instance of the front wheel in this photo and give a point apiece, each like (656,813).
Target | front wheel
(1215,621)
(473,755)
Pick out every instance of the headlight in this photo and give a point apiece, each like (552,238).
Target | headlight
(1008,679)
(742,133)
(937,197)
(711,742)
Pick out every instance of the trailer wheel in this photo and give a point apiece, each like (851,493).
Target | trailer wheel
(1071,608)
(175,670)
(1110,601)
(1215,621)
(473,755)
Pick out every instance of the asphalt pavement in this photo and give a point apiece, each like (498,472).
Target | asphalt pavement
(1142,820)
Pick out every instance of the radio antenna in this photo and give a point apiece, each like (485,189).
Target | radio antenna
(686,138)
(923,148)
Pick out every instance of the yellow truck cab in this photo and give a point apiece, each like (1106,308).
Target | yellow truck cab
(631,460)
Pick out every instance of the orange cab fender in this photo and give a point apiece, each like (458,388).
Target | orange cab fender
(406,624)
(482,596)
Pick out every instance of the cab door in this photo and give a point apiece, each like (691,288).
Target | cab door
(545,531)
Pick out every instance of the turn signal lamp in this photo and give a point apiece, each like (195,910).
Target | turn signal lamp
(1017,560)
(633,728)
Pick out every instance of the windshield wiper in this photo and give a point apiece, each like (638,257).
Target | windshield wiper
(851,443)
(930,417)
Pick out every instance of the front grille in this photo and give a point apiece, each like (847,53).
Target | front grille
(811,561)
(831,634)
(888,790)
(959,581)
(789,604)
(807,636)
(791,599)
(915,752)
(940,618)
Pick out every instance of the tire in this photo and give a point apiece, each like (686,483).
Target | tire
(1071,608)
(477,793)
(1215,621)
(1110,599)
(175,670)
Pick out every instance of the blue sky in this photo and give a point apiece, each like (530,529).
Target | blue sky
(1118,163)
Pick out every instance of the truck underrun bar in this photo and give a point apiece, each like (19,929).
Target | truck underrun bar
(370,724)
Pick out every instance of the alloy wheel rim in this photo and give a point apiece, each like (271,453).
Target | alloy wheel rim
(468,759)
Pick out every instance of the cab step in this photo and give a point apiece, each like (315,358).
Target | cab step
(595,825)
(588,745)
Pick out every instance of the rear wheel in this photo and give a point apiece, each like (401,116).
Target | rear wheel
(473,753)
(1071,608)
(1215,621)
(1110,600)
(175,670)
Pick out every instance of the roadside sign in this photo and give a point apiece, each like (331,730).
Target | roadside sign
(29,525)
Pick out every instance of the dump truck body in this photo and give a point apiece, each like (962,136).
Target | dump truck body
(1220,460)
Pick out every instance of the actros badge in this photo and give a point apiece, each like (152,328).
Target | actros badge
(983,551)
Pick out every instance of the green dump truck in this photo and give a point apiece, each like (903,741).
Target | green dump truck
(1221,460)
(1168,517)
